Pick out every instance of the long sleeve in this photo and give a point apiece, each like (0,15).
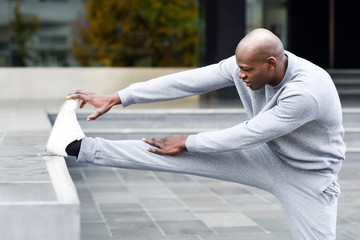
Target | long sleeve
(293,109)
(182,84)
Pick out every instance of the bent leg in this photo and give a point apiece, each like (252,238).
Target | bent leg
(250,167)
(310,202)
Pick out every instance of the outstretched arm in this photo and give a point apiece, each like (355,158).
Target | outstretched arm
(181,84)
(102,103)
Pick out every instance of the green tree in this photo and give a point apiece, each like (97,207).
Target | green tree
(138,33)
(23,28)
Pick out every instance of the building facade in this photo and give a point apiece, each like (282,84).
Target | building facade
(51,45)
(323,31)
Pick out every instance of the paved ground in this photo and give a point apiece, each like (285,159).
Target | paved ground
(129,204)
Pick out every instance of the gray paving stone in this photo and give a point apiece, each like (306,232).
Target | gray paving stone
(215,219)
(135,176)
(251,202)
(238,230)
(351,229)
(22,192)
(21,150)
(171,177)
(173,215)
(22,168)
(120,207)
(94,230)
(184,189)
(113,198)
(270,220)
(248,236)
(90,215)
(85,195)
(156,204)
(347,212)
(147,228)
(116,218)
(186,237)
(205,203)
(184,227)
(108,189)
(345,236)
(150,190)
(224,190)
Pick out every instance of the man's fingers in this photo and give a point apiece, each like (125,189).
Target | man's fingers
(82,104)
(152,150)
(153,142)
(93,116)
(78,96)
(159,151)
(79,92)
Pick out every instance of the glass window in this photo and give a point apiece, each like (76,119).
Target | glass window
(269,14)
(53,40)
(52,0)
(53,58)
(3,61)
(3,45)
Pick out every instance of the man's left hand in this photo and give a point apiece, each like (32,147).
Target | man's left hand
(167,146)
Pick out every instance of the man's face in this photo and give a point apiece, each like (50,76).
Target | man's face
(254,73)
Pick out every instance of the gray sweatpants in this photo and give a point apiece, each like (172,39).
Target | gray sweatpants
(309,198)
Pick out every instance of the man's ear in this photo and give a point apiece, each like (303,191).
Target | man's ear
(271,63)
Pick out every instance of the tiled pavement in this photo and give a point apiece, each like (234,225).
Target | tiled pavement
(142,205)
(128,204)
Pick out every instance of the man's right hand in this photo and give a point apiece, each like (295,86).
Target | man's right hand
(101,103)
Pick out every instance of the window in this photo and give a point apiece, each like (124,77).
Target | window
(53,40)
(269,14)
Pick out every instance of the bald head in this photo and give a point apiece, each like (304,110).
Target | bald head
(261,59)
(258,45)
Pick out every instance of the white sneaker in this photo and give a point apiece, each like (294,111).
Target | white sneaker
(66,129)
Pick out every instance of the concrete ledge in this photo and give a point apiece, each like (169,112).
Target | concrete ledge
(38,200)
(41,210)
(63,185)
(39,221)
(55,83)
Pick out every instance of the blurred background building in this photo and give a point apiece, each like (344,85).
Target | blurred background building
(322,31)
(172,33)
(51,44)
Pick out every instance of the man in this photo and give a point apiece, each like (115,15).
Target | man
(291,146)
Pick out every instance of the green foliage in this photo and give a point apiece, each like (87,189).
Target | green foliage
(138,33)
(23,27)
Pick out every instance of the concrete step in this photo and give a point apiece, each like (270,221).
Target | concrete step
(347,82)
(38,199)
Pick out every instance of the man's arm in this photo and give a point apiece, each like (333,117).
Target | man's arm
(168,87)
(182,84)
(293,109)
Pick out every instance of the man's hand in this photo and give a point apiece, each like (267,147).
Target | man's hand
(167,146)
(101,103)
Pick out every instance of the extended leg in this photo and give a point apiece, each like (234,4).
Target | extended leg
(250,167)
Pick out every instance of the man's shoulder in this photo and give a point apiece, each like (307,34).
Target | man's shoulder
(229,66)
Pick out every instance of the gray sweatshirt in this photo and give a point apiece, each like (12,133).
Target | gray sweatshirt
(300,119)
